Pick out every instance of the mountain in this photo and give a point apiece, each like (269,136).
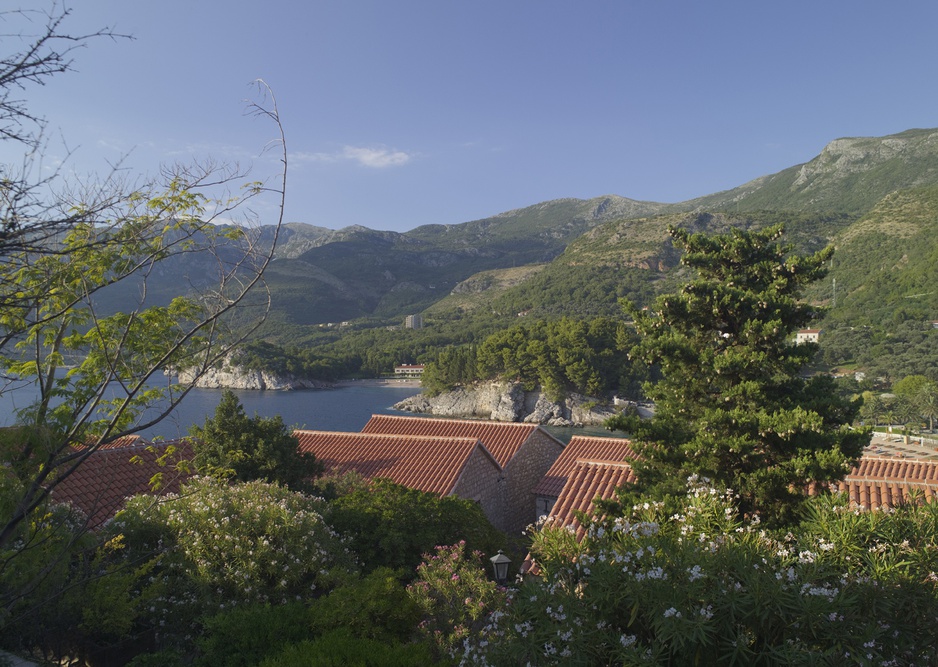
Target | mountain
(357,272)
(876,199)
(850,176)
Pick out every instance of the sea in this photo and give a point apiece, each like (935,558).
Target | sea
(346,408)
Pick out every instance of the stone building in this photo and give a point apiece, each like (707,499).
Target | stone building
(447,466)
(524,452)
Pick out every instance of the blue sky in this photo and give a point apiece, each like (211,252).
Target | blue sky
(412,112)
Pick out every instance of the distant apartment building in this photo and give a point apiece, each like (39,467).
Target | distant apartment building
(413,322)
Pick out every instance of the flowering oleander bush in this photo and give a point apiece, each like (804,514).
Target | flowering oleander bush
(702,586)
(216,546)
(454,595)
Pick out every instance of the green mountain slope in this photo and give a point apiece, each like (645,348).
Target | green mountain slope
(886,263)
(850,176)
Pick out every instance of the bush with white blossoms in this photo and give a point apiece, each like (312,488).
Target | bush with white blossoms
(216,546)
(701,587)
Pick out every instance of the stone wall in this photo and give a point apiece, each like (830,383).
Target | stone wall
(522,474)
(482,481)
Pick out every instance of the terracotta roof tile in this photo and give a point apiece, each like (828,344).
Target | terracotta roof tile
(588,480)
(582,447)
(425,463)
(502,439)
(876,481)
(99,486)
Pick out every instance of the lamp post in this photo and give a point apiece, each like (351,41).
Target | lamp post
(500,563)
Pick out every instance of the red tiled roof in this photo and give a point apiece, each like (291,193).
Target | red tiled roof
(123,441)
(588,480)
(582,447)
(502,439)
(99,486)
(877,482)
(432,464)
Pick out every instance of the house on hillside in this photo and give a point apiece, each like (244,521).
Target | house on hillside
(581,448)
(119,470)
(525,452)
(808,336)
(447,466)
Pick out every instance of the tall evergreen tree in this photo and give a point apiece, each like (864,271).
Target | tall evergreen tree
(732,404)
(251,448)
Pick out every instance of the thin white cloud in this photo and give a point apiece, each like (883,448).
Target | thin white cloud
(372,157)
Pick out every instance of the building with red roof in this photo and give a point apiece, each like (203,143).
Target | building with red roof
(525,453)
(121,469)
(877,482)
(580,448)
(457,466)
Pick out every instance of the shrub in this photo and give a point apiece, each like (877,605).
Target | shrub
(341,649)
(373,607)
(390,525)
(701,586)
(216,546)
(455,595)
(244,637)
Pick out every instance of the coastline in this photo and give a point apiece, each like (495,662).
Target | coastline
(394,383)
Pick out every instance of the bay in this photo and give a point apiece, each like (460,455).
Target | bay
(346,408)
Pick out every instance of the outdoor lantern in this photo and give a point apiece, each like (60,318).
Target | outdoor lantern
(500,564)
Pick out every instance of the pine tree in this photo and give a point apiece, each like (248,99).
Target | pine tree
(732,404)
(246,448)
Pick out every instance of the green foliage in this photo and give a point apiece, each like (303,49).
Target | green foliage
(375,606)
(342,649)
(910,385)
(248,448)
(732,404)
(694,584)
(455,596)
(453,367)
(243,637)
(565,355)
(389,525)
(217,545)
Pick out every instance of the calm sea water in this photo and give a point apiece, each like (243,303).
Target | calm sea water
(343,409)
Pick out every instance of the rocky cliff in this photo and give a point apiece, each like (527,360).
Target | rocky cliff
(509,402)
(233,377)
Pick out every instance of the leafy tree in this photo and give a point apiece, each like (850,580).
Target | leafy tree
(910,385)
(390,525)
(68,248)
(732,404)
(248,448)
(927,400)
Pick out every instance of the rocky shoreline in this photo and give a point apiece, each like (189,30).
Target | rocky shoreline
(231,377)
(509,402)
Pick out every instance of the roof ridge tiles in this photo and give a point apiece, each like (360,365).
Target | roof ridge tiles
(491,422)
(389,436)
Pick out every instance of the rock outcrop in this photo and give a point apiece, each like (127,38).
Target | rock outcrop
(233,377)
(509,402)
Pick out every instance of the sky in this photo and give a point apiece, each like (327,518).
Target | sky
(413,112)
